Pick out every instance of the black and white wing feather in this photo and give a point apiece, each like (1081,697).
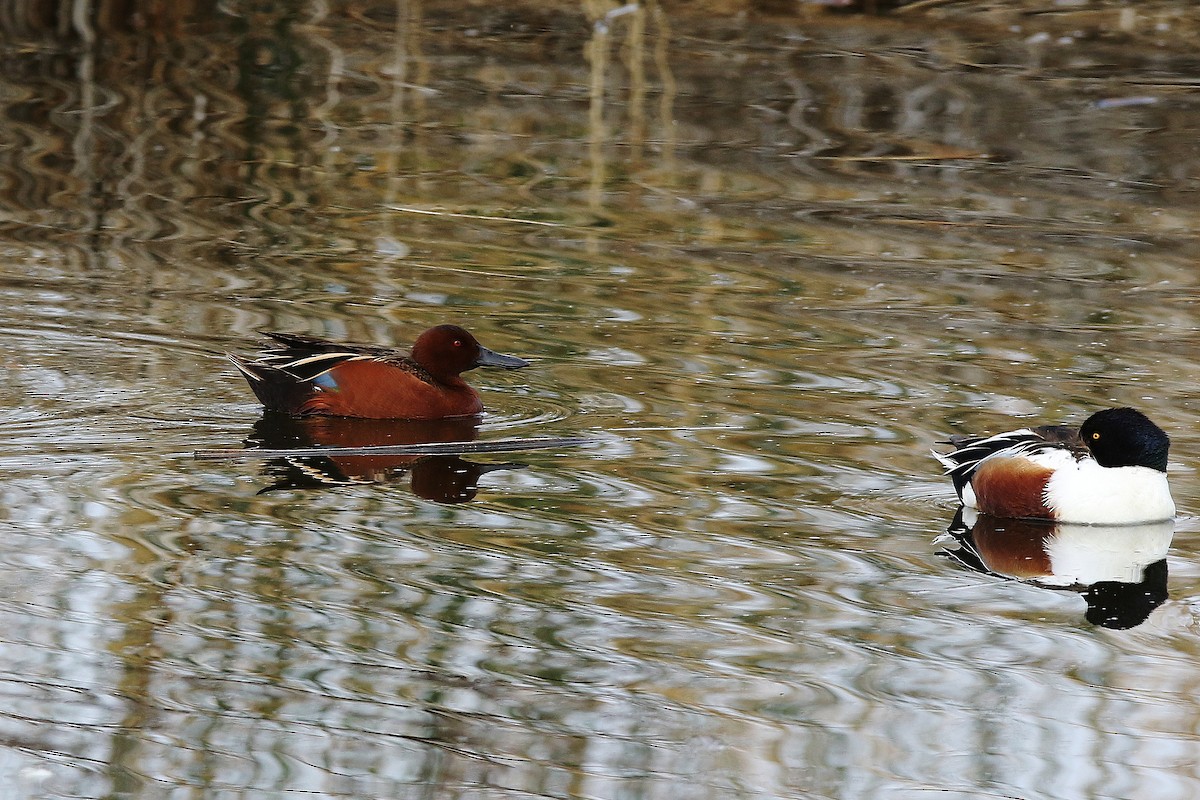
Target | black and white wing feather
(970,451)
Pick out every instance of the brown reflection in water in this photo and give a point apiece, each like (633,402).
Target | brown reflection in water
(444,479)
(411,74)
(137,646)
(1120,570)
(126,122)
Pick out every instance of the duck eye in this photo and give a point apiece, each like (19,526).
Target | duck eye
(1095,436)
(458,342)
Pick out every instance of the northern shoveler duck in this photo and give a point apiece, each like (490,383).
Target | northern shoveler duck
(315,376)
(1111,471)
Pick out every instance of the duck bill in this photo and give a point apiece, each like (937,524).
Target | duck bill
(488,358)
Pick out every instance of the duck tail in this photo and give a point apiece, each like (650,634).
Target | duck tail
(276,389)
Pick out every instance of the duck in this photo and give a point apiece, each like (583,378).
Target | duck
(1112,470)
(305,376)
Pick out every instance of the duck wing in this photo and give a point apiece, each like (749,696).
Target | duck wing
(309,357)
(970,451)
(299,345)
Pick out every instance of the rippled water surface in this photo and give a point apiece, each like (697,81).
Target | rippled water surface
(766,261)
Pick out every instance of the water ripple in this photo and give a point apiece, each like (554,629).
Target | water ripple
(766,298)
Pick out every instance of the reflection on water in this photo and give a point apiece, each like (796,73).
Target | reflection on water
(1120,570)
(766,253)
(444,479)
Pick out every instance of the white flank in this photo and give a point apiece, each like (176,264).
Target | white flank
(1087,493)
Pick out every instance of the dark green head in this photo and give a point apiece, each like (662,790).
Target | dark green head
(1125,437)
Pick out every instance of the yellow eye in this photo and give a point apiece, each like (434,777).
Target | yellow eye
(1095,436)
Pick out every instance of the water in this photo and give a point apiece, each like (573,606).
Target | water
(766,261)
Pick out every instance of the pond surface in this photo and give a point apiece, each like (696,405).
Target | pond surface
(768,262)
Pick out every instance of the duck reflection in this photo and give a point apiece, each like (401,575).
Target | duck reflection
(1120,570)
(441,478)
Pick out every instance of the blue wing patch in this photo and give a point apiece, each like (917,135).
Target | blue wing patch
(325,382)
